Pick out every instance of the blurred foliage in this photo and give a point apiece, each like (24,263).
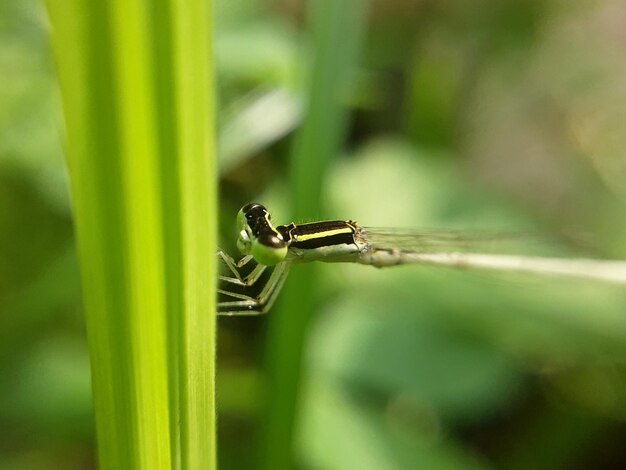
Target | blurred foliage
(480,114)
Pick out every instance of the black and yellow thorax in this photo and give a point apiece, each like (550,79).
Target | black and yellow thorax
(321,240)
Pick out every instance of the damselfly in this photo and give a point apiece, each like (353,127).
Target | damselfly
(253,283)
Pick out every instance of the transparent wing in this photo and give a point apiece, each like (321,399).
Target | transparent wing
(437,241)
(500,252)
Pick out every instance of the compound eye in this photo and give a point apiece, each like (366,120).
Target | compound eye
(253,210)
(241,220)
(250,215)
(243,243)
(249,207)
(269,249)
(271,240)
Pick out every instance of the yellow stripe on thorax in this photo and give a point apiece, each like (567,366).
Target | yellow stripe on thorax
(324,234)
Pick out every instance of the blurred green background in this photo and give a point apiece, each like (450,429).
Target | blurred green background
(470,114)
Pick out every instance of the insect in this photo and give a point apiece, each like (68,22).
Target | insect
(252,284)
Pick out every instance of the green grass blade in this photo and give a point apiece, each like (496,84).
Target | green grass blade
(135,83)
(336,28)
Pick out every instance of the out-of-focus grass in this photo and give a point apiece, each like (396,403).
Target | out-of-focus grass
(336,30)
(136,89)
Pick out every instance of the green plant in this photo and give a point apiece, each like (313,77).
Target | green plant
(336,30)
(136,88)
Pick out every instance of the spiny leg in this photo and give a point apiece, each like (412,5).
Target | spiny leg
(234,267)
(238,280)
(250,279)
(255,304)
(273,287)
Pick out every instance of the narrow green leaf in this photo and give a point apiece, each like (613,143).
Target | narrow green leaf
(336,27)
(136,89)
